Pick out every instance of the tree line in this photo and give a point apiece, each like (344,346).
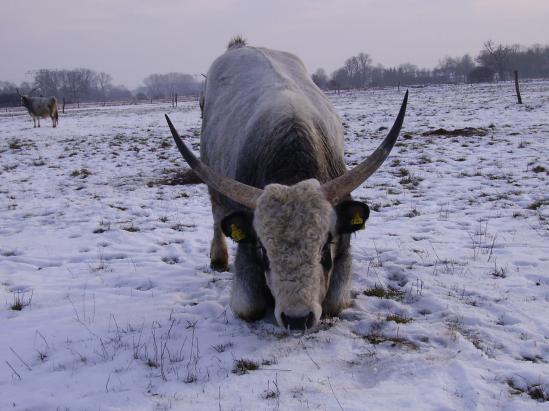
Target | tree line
(83,84)
(494,62)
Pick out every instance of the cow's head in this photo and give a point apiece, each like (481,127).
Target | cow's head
(296,227)
(24,98)
(297,231)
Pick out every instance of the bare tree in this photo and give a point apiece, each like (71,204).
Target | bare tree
(104,82)
(167,85)
(364,68)
(496,57)
(320,78)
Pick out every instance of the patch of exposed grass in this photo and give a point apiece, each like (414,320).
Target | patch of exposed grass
(377,338)
(388,293)
(175,178)
(182,227)
(403,172)
(131,228)
(222,347)
(82,173)
(265,362)
(243,366)
(410,180)
(9,253)
(412,213)
(425,159)
(466,132)
(20,301)
(103,226)
(499,272)
(399,319)
(151,363)
(190,378)
(535,391)
(170,260)
(539,169)
(15,144)
(537,204)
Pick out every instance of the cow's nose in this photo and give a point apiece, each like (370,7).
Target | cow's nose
(298,323)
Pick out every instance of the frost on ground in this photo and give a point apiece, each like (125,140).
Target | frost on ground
(107,300)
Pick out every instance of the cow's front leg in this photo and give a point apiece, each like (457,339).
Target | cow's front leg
(34,121)
(38,119)
(339,290)
(250,296)
(219,258)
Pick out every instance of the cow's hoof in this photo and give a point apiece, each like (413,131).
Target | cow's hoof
(219,266)
(333,308)
(251,315)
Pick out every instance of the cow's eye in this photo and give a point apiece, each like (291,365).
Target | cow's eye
(326,257)
(264,260)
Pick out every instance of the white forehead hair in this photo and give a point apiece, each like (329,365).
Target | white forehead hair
(292,222)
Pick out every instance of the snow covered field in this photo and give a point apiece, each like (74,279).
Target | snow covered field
(107,300)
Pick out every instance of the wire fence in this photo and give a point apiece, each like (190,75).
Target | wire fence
(18,110)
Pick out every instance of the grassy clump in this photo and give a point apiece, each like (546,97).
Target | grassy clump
(399,319)
(131,228)
(82,173)
(15,144)
(375,338)
(535,391)
(537,204)
(242,366)
(388,293)
(20,301)
(403,172)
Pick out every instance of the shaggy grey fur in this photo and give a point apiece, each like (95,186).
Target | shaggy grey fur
(293,224)
(41,107)
(266,124)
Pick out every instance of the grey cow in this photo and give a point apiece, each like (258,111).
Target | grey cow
(40,107)
(272,157)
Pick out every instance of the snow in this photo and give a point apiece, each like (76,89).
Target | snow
(121,311)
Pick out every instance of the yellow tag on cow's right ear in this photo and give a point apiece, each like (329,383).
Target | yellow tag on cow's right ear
(236,233)
(357,220)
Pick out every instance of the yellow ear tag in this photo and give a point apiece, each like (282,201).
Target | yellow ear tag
(236,233)
(357,220)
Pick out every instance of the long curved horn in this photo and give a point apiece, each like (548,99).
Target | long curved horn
(339,187)
(236,191)
(18,93)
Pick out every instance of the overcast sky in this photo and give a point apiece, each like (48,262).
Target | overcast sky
(132,38)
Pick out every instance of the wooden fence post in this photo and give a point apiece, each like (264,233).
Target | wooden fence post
(519,98)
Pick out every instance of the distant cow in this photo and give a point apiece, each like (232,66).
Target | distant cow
(272,157)
(41,107)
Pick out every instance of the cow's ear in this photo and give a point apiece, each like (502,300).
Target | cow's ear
(351,216)
(238,226)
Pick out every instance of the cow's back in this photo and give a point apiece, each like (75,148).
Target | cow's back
(250,94)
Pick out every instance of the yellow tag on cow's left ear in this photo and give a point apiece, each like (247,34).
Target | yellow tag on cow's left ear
(236,233)
(357,220)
